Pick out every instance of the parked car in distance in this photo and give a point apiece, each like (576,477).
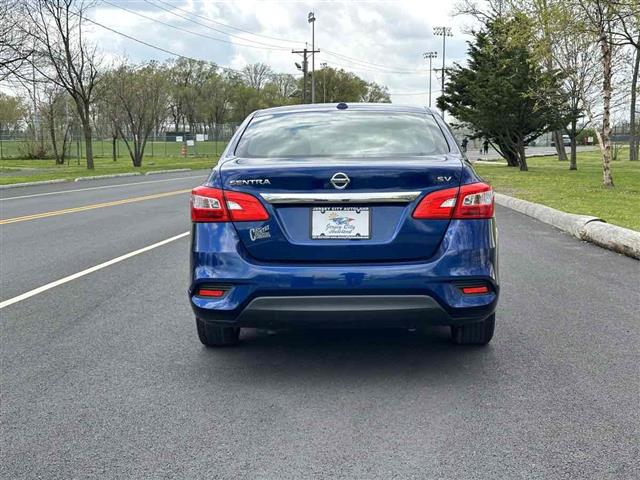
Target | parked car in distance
(343,215)
(566,141)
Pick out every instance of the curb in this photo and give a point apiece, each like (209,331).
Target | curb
(29,184)
(591,229)
(113,175)
(175,170)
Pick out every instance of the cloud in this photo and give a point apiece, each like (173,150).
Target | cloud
(378,40)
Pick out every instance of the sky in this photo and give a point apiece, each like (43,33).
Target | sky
(379,40)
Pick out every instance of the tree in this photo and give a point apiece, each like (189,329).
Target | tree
(599,18)
(54,111)
(62,56)
(256,75)
(12,113)
(15,48)
(338,85)
(574,54)
(627,13)
(187,80)
(140,93)
(376,93)
(504,95)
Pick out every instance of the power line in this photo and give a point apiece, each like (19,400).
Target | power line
(335,54)
(175,27)
(161,49)
(369,69)
(371,64)
(224,24)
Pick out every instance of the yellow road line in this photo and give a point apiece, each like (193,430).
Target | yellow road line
(91,207)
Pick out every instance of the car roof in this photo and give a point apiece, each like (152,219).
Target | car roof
(327,107)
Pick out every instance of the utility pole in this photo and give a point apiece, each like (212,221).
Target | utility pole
(430,56)
(312,20)
(304,68)
(444,32)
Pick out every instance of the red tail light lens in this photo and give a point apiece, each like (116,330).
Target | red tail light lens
(215,205)
(469,201)
(437,205)
(207,205)
(244,207)
(474,201)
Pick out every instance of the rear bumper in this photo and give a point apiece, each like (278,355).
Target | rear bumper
(407,294)
(347,311)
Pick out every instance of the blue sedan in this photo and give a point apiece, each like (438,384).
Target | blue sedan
(347,215)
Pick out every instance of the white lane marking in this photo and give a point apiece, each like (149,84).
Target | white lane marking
(69,278)
(103,186)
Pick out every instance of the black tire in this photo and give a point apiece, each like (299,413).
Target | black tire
(479,333)
(216,336)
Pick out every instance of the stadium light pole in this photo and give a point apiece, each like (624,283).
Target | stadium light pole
(312,20)
(430,56)
(444,32)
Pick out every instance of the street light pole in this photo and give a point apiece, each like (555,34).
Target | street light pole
(312,20)
(430,56)
(445,32)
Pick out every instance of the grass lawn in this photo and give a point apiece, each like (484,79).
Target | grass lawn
(551,183)
(17,171)
(16,149)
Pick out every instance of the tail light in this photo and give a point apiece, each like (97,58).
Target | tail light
(474,200)
(215,205)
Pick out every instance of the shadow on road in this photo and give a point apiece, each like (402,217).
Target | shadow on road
(352,356)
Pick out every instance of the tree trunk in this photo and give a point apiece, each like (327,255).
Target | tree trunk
(114,149)
(522,157)
(86,128)
(573,163)
(52,134)
(605,48)
(560,150)
(634,142)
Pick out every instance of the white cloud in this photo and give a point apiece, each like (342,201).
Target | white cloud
(383,36)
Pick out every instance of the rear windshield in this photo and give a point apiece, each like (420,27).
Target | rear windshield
(342,133)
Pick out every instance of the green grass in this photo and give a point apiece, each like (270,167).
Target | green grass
(551,183)
(16,149)
(17,171)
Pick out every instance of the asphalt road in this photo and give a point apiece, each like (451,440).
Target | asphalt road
(104,377)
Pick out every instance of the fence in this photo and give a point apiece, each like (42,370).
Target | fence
(164,144)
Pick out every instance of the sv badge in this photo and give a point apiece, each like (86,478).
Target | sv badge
(441,178)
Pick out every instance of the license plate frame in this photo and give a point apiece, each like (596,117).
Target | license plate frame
(360,221)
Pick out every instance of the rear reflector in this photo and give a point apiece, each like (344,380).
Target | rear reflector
(209,292)
(474,200)
(215,205)
(475,290)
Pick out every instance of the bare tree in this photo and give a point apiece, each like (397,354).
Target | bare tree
(63,57)
(600,19)
(140,93)
(573,53)
(56,115)
(256,75)
(627,13)
(15,48)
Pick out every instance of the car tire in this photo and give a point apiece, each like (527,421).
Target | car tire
(216,336)
(479,333)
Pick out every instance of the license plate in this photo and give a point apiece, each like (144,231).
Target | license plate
(336,223)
